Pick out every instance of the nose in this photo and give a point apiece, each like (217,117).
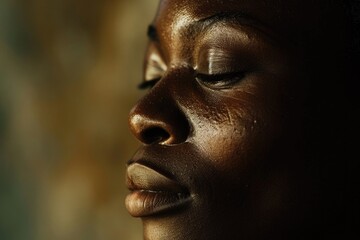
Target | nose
(158,119)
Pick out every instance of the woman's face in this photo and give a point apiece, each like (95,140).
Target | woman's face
(221,122)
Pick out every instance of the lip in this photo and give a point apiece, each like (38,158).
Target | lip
(152,192)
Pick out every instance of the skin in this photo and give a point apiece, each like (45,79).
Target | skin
(227,115)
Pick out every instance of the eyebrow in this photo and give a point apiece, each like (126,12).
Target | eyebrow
(200,25)
(236,17)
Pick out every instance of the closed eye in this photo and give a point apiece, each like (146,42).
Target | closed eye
(154,67)
(222,80)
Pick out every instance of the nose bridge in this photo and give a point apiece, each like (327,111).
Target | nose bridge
(158,117)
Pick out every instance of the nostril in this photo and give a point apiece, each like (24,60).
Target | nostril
(154,135)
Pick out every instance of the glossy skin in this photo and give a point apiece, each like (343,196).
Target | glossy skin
(226,116)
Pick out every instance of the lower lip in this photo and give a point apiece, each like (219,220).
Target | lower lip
(143,203)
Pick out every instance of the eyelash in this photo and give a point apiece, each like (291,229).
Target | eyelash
(222,80)
(213,80)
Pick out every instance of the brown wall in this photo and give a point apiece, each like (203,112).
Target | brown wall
(68,76)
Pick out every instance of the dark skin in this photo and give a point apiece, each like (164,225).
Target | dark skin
(227,124)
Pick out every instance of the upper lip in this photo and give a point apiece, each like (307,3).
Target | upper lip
(143,178)
(159,168)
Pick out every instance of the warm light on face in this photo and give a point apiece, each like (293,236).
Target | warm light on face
(223,119)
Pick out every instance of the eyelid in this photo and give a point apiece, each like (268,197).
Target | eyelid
(154,67)
(212,61)
(220,81)
(155,64)
(220,76)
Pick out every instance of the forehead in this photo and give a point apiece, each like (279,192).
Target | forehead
(202,8)
(281,16)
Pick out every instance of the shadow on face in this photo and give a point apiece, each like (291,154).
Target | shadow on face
(242,124)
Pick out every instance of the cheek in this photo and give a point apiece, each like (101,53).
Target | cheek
(230,135)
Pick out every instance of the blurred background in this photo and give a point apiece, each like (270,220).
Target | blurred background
(68,76)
